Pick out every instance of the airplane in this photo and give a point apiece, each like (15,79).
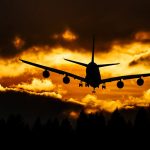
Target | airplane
(93,76)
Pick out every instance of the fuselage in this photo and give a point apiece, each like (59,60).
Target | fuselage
(93,77)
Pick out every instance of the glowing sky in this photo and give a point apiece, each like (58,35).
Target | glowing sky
(133,58)
(53,33)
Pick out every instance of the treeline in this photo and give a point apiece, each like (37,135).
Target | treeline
(87,127)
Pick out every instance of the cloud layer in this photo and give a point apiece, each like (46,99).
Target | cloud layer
(45,31)
(36,21)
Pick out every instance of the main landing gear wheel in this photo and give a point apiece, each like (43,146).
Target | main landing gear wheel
(103,86)
(86,85)
(80,84)
(94,91)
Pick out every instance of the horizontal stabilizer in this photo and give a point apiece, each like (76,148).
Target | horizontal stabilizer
(76,62)
(105,65)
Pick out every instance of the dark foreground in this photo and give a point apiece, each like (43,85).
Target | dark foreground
(89,129)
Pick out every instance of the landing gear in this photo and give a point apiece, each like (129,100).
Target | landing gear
(86,85)
(80,84)
(94,91)
(103,86)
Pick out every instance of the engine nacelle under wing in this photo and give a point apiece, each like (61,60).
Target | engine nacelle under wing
(46,74)
(120,84)
(66,80)
(140,82)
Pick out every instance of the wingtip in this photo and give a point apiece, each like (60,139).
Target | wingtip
(21,59)
(65,59)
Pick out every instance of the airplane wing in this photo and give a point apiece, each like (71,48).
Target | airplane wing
(54,70)
(126,77)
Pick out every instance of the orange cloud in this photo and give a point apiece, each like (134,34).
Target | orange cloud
(36,87)
(142,59)
(2,88)
(69,36)
(53,57)
(94,104)
(142,36)
(18,42)
(109,100)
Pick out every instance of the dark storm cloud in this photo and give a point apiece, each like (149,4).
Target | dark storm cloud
(142,60)
(36,20)
(33,106)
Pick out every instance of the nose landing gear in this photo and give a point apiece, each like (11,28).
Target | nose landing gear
(93,91)
(80,84)
(103,86)
(86,85)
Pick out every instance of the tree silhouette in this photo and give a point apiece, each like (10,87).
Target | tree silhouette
(142,119)
(116,121)
(89,127)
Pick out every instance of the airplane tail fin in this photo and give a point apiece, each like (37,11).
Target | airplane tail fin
(105,65)
(83,64)
(102,65)
(76,62)
(93,48)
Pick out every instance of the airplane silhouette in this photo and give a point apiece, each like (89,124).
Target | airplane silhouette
(93,76)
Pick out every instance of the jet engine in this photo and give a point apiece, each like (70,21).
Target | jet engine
(46,74)
(120,84)
(66,80)
(140,82)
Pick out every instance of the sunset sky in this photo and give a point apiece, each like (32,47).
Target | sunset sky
(47,31)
